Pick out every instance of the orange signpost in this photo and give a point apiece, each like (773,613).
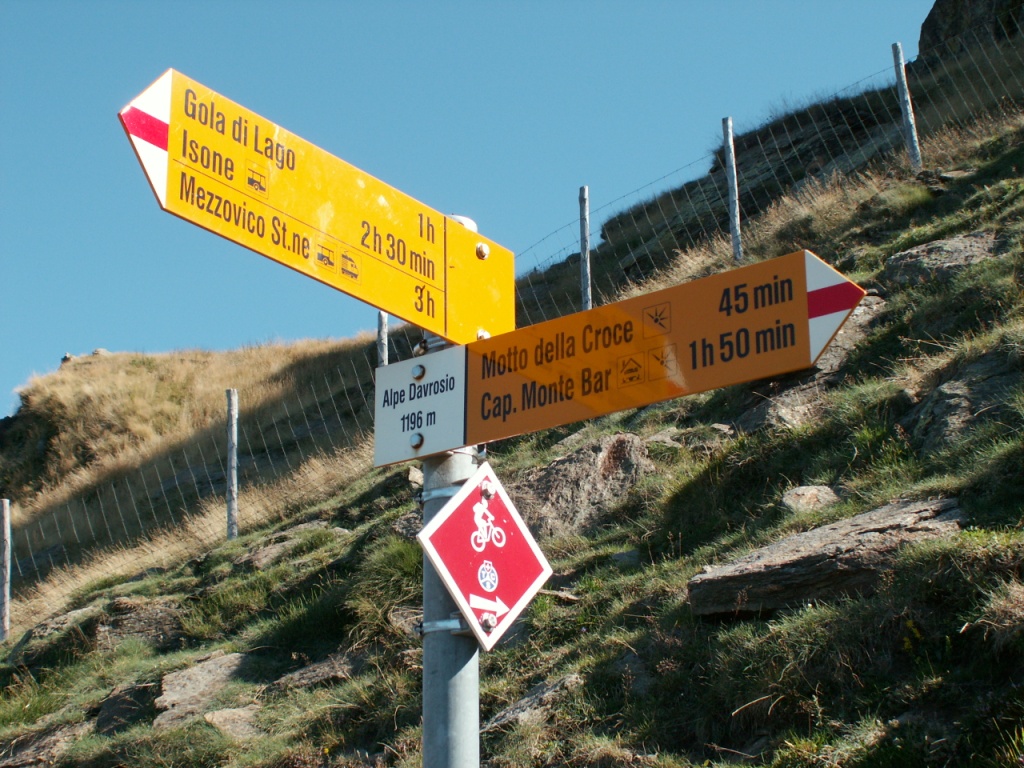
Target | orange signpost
(762,320)
(228,170)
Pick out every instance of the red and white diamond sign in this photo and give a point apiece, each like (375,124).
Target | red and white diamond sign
(485,555)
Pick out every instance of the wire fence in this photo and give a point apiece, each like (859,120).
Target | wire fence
(302,447)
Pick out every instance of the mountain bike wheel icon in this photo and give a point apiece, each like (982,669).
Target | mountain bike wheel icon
(490,533)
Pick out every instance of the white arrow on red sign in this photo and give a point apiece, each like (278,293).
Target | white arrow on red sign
(497,607)
(485,555)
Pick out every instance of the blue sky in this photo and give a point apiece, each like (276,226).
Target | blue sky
(496,110)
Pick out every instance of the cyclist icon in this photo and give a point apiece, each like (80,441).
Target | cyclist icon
(486,531)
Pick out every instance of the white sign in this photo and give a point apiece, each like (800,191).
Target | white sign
(420,406)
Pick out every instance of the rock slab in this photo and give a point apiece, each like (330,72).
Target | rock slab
(571,494)
(124,707)
(844,558)
(940,260)
(42,748)
(535,705)
(237,724)
(189,692)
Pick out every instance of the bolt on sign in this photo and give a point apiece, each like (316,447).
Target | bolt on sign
(758,321)
(234,173)
(485,555)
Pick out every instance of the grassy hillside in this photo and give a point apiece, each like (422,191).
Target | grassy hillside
(927,670)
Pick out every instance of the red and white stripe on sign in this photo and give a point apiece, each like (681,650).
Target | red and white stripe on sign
(146,127)
(146,121)
(831,297)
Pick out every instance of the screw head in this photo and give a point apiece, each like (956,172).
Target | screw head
(416,440)
(482,251)
(419,371)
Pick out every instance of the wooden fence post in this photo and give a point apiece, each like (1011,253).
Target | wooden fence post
(232,491)
(5,571)
(906,109)
(734,192)
(382,338)
(585,290)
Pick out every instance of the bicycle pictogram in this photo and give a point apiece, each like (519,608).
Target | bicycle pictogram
(486,531)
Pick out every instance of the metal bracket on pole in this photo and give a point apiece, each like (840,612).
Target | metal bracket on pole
(429,343)
(438,493)
(456,625)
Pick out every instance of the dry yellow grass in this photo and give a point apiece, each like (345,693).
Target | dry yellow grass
(132,428)
(134,437)
(317,479)
(827,203)
(1003,618)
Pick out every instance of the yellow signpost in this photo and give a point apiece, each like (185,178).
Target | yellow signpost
(762,320)
(228,170)
(729,328)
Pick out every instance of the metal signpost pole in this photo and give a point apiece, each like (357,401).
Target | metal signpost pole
(382,338)
(451,663)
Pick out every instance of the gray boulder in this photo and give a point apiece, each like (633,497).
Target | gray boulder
(940,260)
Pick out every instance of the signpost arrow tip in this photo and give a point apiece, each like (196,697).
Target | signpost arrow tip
(831,298)
(146,120)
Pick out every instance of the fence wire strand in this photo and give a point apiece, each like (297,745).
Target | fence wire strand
(329,413)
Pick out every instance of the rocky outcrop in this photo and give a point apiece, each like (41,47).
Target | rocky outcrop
(809,498)
(58,634)
(189,692)
(953,26)
(967,395)
(334,669)
(237,723)
(42,748)
(155,621)
(841,559)
(281,543)
(535,705)
(939,260)
(571,494)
